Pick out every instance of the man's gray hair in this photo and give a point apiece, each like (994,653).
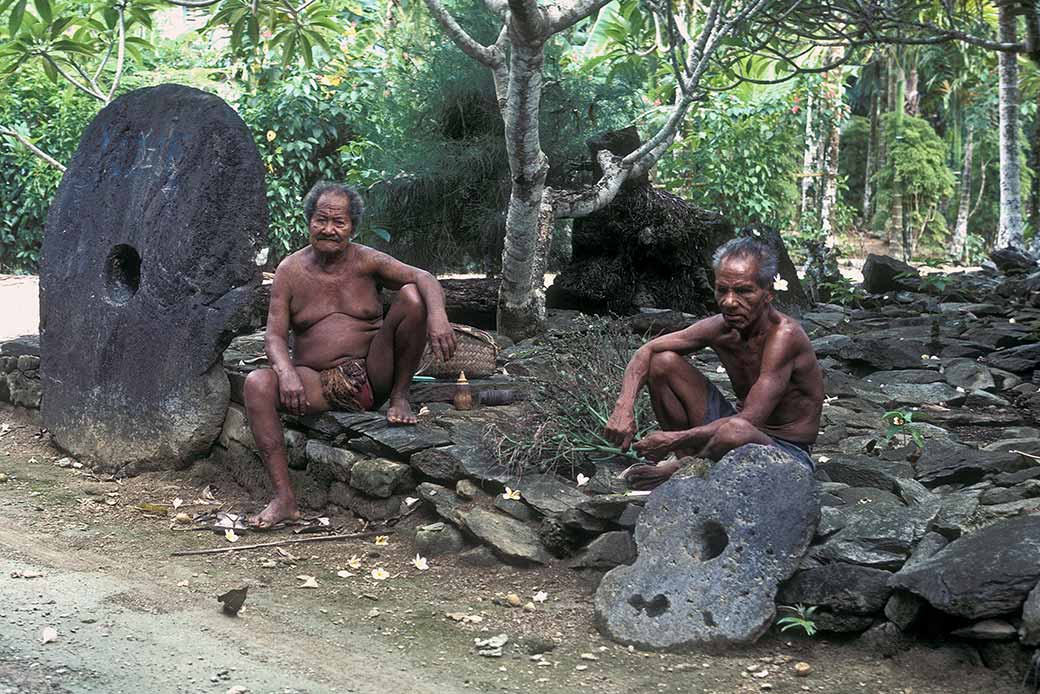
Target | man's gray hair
(357,205)
(748,247)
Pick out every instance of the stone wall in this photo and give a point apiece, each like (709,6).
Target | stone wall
(20,372)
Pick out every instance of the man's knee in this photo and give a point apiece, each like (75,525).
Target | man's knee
(735,432)
(410,301)
(665,364)
(261,388)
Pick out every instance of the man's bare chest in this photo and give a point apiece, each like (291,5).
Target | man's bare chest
(319,296)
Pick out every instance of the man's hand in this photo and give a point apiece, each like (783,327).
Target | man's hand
(621,427)
(650,476)
(441,337)
(291,392)
(658,444)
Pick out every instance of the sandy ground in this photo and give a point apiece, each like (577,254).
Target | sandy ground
(19,305)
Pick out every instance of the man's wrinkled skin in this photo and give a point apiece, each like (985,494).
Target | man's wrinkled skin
(770,363)
(327,295)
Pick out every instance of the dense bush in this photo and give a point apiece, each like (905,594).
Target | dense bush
(54,117)
(741,157)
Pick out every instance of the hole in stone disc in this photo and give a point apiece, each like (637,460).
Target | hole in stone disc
(657,605)
(713,540)
(709,618)
(122,273)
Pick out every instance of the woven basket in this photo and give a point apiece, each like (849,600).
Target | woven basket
(475,352)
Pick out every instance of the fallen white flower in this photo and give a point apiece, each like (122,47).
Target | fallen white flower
(230,535)
(779,284)
(380,574)
(513,494)
(582,480)
(420,563)
(540,596)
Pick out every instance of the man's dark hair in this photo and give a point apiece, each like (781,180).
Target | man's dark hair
(357,205)
(748,247)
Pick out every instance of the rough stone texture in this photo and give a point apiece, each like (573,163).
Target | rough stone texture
(986,574)
(516,509)
(877,535)
(607,551)
(550,495)
(236,428)
(903,609)
(441,464)
(987,630)
(508,537)
(955,513)
(880,354)
(329,463)
(1029,631)
(712,553)
(436,539)
(943,463)
(381,478)
(921,393)
(880,274)
(867,471)
(1019,360)
(968,374)
(838,587)
(147,270)
(369,508)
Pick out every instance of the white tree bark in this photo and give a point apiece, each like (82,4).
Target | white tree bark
(533,207)
(1010,232)
(959,242)
(808,159)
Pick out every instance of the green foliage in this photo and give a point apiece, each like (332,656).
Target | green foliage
(915,166)
(300,126)
(852,158)
(562,426)
(53,119)
(801,618)
(740,156)
(898,425)
(843,291)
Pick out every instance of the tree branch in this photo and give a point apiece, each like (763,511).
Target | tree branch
(497,7)
(566,13)
(193,3)
(120,54)
(479,52)
(71,80)
(33,148)
(529,20)
(583,203)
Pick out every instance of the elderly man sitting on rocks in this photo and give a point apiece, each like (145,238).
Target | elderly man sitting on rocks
(346,354)
(769,360)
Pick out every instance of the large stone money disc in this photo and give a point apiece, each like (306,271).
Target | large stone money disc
(147,270)
(712,553)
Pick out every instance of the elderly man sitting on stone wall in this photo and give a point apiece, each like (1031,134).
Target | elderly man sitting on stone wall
(769,360)
(346,354)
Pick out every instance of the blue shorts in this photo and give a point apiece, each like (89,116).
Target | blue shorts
(719,407)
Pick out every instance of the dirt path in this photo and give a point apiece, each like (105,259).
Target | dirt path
(131,618)
(19,305)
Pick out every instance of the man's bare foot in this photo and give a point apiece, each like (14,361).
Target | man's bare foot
(400,412)
(277,511)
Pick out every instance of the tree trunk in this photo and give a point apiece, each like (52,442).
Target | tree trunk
(896,228)
(829,197)
(521,303)
(958,244)
(873,156)
(1010,232)
(912,99)
(808,158)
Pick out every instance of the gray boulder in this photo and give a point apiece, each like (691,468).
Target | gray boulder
(986,574)
(436,539)
(381,478)
(711,554)
(840,588)
(882,273)
(945,463)
(508,537)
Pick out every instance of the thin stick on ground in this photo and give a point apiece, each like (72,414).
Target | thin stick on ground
(291,541)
